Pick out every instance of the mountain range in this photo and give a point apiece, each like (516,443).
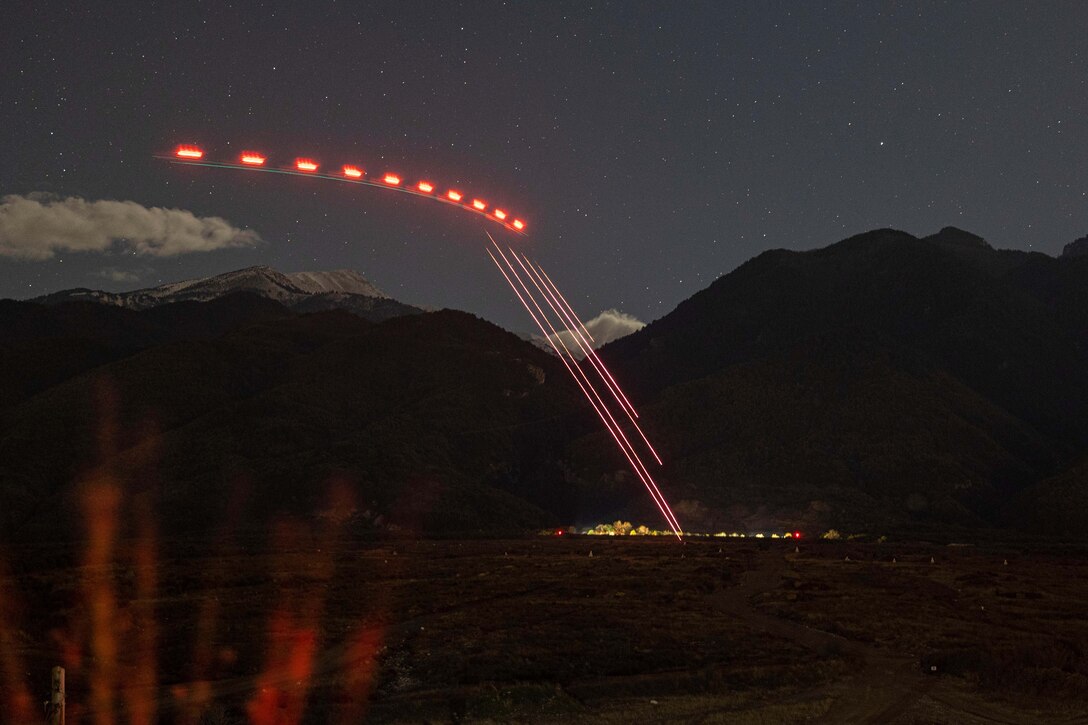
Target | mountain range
(302,291)
(884,383)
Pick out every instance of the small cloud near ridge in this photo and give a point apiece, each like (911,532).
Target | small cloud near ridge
(609,325)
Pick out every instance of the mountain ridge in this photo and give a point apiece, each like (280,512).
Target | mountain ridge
(883,383)
(303,291)
(980,352)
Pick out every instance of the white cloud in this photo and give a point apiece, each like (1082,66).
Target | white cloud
(36,227)
(609,325)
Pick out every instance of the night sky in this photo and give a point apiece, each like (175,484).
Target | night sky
(651,146)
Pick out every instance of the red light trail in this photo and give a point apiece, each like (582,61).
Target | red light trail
(189,152)
(546,290)
(590,354)
(579,376)
(192,155)
(648,479)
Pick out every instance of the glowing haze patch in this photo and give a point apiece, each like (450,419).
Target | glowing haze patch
(425,187)
(477,204)
(189,152)
(353,172)
(305,165)
(251,159)
(454,195)
(391,179)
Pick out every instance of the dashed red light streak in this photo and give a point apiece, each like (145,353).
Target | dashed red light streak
(257,161)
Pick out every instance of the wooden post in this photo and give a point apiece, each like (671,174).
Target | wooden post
(56,700)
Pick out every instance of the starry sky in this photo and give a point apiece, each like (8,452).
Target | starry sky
(651,146)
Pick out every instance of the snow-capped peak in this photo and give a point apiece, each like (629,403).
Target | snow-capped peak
(346,281)
(310,290)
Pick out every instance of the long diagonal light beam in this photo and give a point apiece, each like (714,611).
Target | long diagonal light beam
(585,330)
(588,353)
(596,408)
(554,310)
(641,466)
(594,398)
(541,269)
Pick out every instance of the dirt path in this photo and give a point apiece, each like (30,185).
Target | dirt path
(885,685)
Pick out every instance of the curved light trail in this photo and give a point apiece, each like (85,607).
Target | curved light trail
(191,155)
(546,290)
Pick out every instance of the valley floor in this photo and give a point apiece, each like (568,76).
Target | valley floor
(324,628)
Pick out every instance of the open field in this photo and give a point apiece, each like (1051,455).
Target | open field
(316,627)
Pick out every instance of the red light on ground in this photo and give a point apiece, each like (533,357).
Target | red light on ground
(559,532)
(519,224)
(425,187)
(479,204)
(454,195)
(189,152)
(391,179)
(353,172)
(253,159)
(305,165)
(499,213)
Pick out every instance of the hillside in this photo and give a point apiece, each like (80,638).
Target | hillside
(882,381)
(438,420)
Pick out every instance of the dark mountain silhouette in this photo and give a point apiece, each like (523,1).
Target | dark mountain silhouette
(45,345)
(1076,248)
(884,383)
(882,380)
(439,420)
